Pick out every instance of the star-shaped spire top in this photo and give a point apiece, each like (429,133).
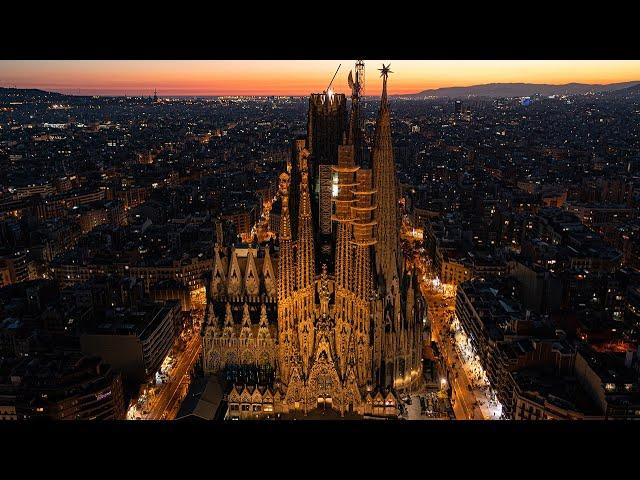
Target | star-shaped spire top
(385,71)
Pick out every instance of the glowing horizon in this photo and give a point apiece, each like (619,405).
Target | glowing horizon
(295,77)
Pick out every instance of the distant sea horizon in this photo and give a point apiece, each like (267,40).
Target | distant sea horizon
(439,91)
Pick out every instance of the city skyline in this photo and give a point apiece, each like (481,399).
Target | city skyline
(294,77)
(287,257)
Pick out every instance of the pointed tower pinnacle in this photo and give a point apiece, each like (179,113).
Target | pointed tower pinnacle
(218,278)
(263,326)
(228,330)
(285,258)
(268,275)
(245,330)
(385,185)
(384,73)
(287,348)
(251,278)
(234,286)
(305,266)
(355,128)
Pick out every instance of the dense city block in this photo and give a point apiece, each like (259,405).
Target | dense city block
(334,256)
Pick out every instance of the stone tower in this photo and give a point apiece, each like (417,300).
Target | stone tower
(385,184)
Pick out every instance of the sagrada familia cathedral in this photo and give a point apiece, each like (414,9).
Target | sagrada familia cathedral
(331,311)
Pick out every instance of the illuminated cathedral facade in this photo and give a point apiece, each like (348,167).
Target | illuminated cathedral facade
(334,311)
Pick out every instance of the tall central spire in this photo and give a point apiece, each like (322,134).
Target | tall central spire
(385,184)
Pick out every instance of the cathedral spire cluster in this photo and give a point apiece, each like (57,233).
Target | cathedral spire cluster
(348,328)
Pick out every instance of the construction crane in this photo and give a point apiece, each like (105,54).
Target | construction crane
(333,78)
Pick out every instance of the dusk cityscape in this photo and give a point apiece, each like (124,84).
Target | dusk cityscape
(270,241)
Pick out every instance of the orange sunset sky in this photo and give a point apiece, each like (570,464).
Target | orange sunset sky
(294,77)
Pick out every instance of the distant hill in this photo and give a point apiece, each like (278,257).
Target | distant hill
(496,90)
(631,91)
(28,94)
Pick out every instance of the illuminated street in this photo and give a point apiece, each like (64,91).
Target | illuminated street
(167,401)
(162,401)
(474,373)
(472,396)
